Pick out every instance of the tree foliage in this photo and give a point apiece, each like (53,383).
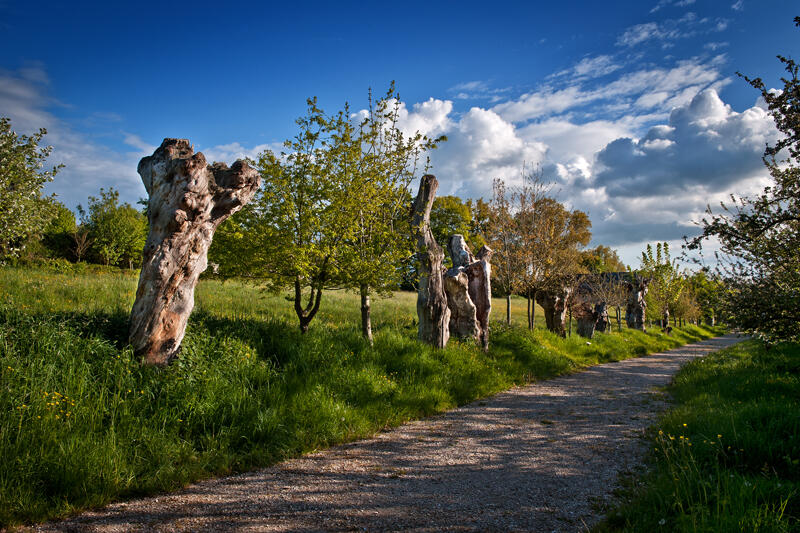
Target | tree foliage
(759,237)
(333,209)
(118,231)
(25,211)
(666,283)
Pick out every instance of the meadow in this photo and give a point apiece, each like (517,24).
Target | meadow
(82,423)
(726,457)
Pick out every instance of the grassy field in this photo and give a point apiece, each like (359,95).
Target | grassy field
(82,423)
(727,456)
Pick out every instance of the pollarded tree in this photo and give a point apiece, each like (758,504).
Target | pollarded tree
(25,211)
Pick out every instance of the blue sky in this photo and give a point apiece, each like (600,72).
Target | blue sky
(632,109)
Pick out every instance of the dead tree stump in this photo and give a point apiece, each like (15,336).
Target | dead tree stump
(188,200)
(636,308)
(432,308)
(463,317)
(480,290)
(554,305)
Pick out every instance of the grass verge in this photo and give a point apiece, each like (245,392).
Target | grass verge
(83,424)
(727,456)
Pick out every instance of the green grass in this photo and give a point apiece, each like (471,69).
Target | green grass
(727,456)
(83,424)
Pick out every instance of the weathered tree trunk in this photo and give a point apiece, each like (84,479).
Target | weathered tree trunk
(463,313)
(188,199)
(554,305)
(432,309)
(601,312)
(635,311)
(480,291)
(469,292)
(508,309)
(570,323)
(366,320)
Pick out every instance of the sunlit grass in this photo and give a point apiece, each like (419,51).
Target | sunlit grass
(727,456)
(82,423)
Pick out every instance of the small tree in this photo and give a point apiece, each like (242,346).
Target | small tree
(375,162)
(667,283)
(117,231)
(504,238)
(25,211)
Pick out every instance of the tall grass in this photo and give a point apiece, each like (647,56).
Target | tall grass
(82,423)
(727,456)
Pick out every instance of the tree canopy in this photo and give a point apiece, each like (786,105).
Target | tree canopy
(759,237)
(25,211)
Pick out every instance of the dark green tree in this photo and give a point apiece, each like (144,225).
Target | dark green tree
(759,256)
(117,231)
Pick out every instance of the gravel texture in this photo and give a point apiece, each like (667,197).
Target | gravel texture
(534,458)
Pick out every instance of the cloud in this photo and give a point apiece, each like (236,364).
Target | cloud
(656,89)
(705,142)
(88,166)
(590,67)
(669,30)
(228,153)
(665,3)
(738,5)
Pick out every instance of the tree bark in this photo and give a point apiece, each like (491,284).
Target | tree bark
(366,322)
(508,309)
(432,309)
(306,314)
(188,199)
(528,297)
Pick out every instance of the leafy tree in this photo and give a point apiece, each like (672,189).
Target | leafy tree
(602,259)
(504,238)
(59,233)
(480,218)
(450,215)
(375,163)
(667,283)
(118,232)
(759,257)
(25,211)
(333,210)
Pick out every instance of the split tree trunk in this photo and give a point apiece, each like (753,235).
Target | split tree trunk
(188,199)
(432,309)
(306,314)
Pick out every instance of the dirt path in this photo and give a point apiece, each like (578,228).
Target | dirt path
(530,459)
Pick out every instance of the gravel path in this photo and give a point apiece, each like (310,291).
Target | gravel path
(533,458)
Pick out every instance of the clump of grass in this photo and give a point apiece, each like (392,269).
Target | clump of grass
(82,423)
(727,456)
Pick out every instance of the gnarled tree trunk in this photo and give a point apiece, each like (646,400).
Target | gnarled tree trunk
(480,290)
(469,291)
(635,311)
(554,305)
(432,309)
(188,200)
